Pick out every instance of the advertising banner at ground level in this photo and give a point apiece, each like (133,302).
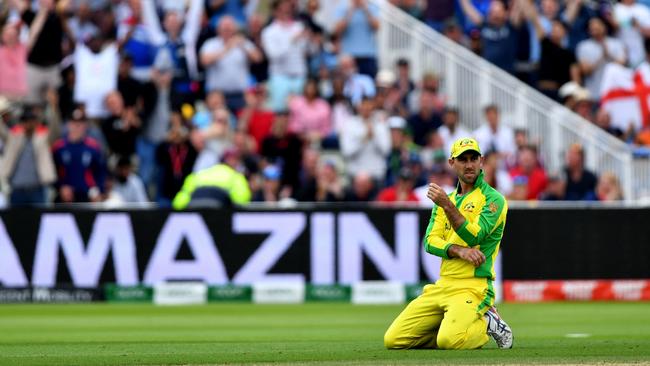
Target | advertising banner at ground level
(87,249)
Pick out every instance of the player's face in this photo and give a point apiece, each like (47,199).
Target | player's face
(467,166)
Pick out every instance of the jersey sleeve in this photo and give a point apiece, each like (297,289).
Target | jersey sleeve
(240,193)
(433,238)
(475,230)
(184,196)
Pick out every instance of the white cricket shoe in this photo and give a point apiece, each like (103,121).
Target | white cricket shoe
(498,329)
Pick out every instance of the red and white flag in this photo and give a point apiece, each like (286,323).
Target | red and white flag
(625,94)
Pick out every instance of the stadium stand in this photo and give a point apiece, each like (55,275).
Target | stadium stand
(324,100)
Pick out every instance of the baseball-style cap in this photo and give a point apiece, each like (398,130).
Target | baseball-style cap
(464,144)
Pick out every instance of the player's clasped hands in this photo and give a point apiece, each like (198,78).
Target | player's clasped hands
(474,256)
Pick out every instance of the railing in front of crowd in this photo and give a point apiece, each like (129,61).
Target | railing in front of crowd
(470,83)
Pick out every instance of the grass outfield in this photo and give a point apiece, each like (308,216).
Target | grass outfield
(104,334)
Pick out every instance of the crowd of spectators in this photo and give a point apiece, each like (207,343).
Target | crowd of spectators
(120,101)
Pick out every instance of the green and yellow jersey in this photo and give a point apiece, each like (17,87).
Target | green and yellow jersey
(484,209)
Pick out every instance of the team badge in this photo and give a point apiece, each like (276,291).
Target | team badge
(493,207)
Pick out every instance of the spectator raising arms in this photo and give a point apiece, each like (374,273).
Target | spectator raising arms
(13,63)
(498,31)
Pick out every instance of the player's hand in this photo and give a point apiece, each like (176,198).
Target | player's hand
(473,256)
(438,195)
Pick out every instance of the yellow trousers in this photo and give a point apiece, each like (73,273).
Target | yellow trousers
(448,315)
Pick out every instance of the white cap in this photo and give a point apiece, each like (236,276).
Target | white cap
(568,89)
(397,122)
(581,94)
(385,78)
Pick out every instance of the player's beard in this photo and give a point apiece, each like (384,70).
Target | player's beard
(466,180)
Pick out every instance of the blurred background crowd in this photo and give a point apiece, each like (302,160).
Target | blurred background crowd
(181,101)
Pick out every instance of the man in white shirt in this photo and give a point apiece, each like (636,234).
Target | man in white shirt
(451,130)
(96,68)
(226,59)
(357,86)
(285,45)
(494,136)
(633,21)
(365,142)
(595,53)
(127,184)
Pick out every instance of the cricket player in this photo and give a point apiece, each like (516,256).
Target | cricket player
(465,229)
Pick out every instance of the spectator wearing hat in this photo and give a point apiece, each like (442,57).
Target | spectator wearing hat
(270,189)
(401,155)
(221,185)
(357,23)
(402,190)
(388,98)
(80,163)
(451,129)
(365,142)
(227,59)
(519,188)
(27,164)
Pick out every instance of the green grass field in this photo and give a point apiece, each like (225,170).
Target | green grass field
(342,334)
